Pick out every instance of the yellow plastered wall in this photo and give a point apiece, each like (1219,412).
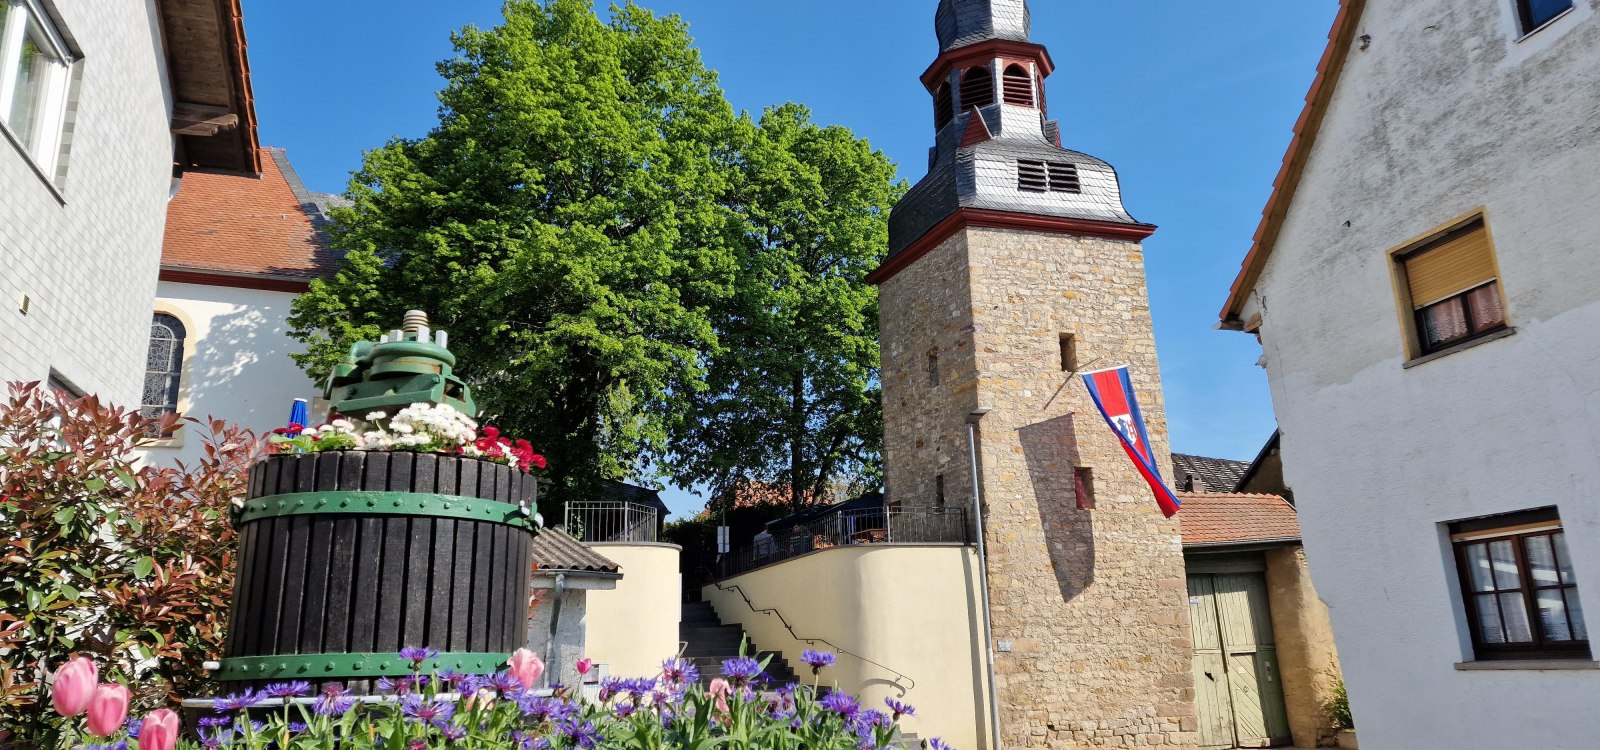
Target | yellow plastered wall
(911,609)
(634,627)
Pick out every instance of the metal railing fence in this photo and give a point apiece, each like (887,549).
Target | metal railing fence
(611,521)
(867,526)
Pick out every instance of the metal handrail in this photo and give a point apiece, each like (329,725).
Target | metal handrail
(814,641)
(611,521)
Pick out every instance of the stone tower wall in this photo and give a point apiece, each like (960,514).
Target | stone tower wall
(1093,603)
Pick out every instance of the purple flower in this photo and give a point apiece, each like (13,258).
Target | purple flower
(238,701)
(537,707)
(133,726)
(505,683)
(286,689)
(900,709)
(334,705)
(451,678)
(582,734)
(296,727)
(417,744)
(435,712)
(210,739)
(418,654)
(624,710)
(817,659)
(841,704)
(740,670)
(936,744)
(453,733)
(215,721)
(679,672)
(119,745)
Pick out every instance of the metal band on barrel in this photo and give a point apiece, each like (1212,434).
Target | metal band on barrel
(383,503)
(314,666)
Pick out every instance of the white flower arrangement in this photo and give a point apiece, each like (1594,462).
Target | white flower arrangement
(423,428)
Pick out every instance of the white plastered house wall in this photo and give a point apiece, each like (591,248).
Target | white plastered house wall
(82,242)
(236,364)
(1444,110)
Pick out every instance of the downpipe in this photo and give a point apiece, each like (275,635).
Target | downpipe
(983,577)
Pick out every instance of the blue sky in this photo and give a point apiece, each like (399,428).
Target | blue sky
(1193,103)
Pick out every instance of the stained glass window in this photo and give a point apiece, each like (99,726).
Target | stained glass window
(163,367)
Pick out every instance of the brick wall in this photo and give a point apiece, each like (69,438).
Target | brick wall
(87,254)
(1092,602)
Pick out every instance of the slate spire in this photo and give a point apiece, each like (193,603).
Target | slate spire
(960,23)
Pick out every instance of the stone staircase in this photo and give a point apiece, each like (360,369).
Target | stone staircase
(709,642)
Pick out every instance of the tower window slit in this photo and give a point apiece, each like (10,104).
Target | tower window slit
(977,88)
(1032,176)
(1069,353)
(933,369)
(1017,86)
(1063,177)
(943,106)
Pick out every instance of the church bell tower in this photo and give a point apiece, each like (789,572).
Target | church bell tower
(1013,266)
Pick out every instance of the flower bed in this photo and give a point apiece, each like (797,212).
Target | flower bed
(420,428)
(430,709)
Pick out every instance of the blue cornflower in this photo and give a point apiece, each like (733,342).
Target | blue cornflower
(453,733)
(817,659)
(334,705)
(418,654)
(119,745)
(450,677)
(296,727)
(505,683)
(900,709)
(211,739)
(238,701)
(386,685)
(679,672)
(624,710)
(937,743)
(581,733)
(435,712)
(286,689)
(215,721)
(741,669)
(841,704)
(537,707)
(638,686)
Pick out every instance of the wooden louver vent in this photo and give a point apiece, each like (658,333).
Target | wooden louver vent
(943,106)
(977,88)
(1063,177)
(1032,176)
(1035,176)
(1017,86)
(1460,261)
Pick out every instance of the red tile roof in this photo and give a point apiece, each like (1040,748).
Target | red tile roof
(1215,518)
(230,225)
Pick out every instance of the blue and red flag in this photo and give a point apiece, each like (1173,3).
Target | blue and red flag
(1112,392)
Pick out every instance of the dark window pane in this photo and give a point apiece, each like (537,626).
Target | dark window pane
(1539,12)
(1478,566)
(1515,610)
(1541,561)
(1489,619)
(1487,312)
(1444,321)
(1560,539)
(1580,631)
(1553,615)
(1505,566)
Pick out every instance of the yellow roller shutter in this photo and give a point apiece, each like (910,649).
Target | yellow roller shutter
(1458,263)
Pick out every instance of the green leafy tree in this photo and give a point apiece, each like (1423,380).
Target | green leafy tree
(792,397)
(568,221)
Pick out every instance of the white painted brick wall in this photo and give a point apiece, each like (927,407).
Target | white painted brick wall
(89,263)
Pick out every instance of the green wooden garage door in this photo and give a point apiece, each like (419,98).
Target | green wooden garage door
(1238,691)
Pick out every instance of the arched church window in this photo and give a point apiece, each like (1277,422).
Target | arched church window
(977,88)
(1017,85)
(163,366)
(943,106)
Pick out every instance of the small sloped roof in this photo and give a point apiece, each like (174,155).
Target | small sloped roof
(555,549)
(1218,474)
(264,226)
(1221,518)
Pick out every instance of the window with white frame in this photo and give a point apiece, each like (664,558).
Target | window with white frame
(35,74)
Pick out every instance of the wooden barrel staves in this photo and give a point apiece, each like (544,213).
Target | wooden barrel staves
(345,557)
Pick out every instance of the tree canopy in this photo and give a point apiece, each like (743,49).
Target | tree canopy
(590,220)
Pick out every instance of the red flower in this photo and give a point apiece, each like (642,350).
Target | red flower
(538,461)
(491,433)
(296,427)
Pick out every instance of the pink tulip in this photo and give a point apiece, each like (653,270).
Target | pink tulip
(526,667)
(720,689)
(584,665)
(107,709)
(159,731)
(74,686)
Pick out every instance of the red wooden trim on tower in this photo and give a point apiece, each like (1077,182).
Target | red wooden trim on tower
(983,217)
(983,52)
